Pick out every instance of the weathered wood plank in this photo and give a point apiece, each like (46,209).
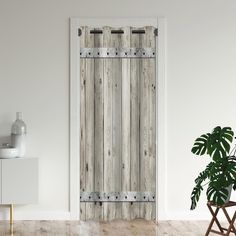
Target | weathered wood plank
(82,125)
(108,208)
(116,125)
(89,113)
(134,124)
(99,134)
(125,173)
(144,126)
(152,118)
(147,125)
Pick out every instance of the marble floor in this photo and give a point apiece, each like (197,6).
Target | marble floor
(113,228)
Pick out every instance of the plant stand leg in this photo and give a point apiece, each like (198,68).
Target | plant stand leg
(222,231)
(231,228)
(214,219)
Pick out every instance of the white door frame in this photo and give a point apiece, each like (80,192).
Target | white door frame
(75,23)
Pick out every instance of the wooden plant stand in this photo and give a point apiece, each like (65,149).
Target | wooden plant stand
(222,230)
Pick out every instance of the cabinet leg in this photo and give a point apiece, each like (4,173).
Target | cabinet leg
(11,214)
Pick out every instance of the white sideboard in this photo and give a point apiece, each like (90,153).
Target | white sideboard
(19,181)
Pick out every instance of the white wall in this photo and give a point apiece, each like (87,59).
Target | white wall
(34,79)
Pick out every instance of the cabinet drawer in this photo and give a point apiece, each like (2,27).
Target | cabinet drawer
(19,181)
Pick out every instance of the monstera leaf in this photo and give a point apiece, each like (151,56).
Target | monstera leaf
(223,173)
(219,142)
(195,195)
(198,188)
(200,146)
(216,144)
(205,174)
(217,194)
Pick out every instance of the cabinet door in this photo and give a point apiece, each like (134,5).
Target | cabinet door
(20,181)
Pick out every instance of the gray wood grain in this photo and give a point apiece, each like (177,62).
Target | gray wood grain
(134,124)
(109,208)
(99,129)
(147,125)
(82,125)
(118,134)
(125,173)
(152,120)
(144,126)
(116,123)
(89,114)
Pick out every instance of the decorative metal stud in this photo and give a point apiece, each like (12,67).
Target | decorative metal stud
(117,53)
(117,197)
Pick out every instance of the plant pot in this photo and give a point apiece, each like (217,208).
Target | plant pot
(229,188)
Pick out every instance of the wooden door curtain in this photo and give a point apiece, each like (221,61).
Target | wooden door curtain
(118,123)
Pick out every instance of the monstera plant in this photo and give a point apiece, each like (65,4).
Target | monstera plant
(220,174)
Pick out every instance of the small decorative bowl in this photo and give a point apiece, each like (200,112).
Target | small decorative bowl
(8,152)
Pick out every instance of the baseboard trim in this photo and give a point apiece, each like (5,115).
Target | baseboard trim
(66,215)
(36,215)
(191,215)
(194,215)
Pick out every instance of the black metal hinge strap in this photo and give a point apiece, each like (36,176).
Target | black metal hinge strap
(129,196)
